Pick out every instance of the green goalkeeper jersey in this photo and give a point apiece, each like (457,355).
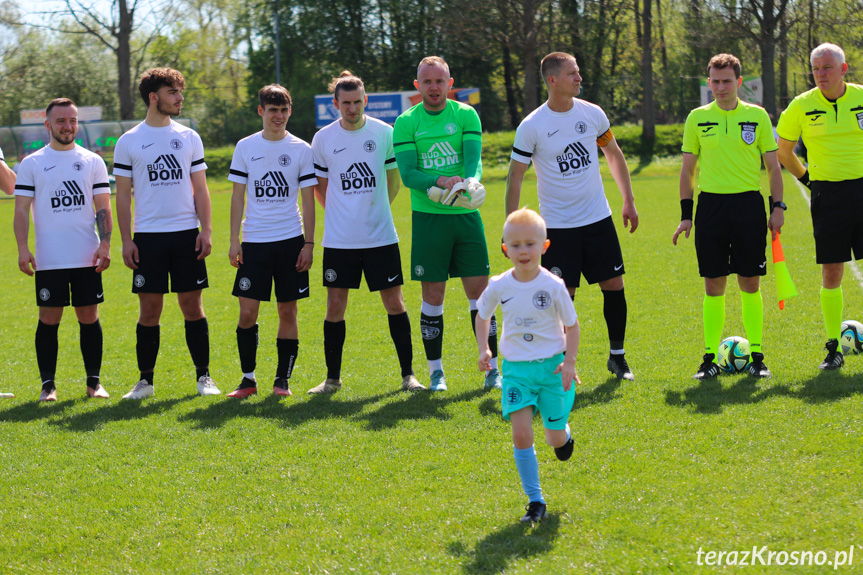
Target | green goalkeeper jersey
(428,145)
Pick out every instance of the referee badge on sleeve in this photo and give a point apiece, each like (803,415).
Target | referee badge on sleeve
(747,132)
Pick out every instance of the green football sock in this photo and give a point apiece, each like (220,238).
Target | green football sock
(752,308)
(831,309)
(714,321)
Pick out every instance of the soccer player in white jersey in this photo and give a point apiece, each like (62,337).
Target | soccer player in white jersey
(7,185)
(7,176)
(271,170)
(358,179)
(64,185)
(164,162)
(539,325)
(562,138)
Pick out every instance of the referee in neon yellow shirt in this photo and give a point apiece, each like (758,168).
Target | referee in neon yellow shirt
(730,138)
(830,119)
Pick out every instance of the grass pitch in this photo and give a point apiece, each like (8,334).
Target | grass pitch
(372,480)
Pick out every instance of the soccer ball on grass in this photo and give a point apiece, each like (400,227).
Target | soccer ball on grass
(851,338)
(733,354)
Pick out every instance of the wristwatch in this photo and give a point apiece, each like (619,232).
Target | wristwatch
(780,205)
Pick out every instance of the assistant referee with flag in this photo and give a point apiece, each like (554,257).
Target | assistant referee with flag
(730,138)
(830,120)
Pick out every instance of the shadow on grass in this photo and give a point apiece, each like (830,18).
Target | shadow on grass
(33,410)
(495,552)
(603,393)
(709,396)
(287,412)
(125,410)
(422,405)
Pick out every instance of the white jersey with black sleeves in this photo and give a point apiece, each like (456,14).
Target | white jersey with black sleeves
(534,314)
(355,162)
(160,162)
(563,148)
(273,173)
(62,185)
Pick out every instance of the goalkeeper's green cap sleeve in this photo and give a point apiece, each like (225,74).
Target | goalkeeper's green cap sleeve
(411,175)
(472,156)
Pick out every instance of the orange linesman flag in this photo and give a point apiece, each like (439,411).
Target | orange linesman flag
(784,284)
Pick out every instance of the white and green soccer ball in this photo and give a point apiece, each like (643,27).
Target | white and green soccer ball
(733,354)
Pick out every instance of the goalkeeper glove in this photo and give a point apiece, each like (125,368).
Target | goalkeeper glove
(476,191)
(468,194)
(443,195)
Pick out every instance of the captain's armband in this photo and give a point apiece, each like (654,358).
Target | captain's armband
(605,139)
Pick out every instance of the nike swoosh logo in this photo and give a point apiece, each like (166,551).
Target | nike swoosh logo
(762,265)
(258,158)
(421,133)
(558,419)
(390,279)
(550,134)
(145,146)
(503,301)
(337,151)
(304,290)
(616,268)
(100,295)
(48,169)
(201,281)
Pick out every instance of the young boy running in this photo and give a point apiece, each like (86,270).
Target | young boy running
(539,317)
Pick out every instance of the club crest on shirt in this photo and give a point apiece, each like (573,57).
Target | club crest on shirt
(369,146)
(747,132)
(176,144)
(580,127)
(541,299)
(284,160)
(860,120)
(450,128)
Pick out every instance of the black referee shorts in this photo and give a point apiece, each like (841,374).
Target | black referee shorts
(837,220)
(731,234)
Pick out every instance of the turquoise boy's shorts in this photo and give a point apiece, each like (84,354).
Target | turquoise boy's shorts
(534,383)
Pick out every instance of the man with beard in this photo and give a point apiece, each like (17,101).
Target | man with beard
(164,162)
(64,184)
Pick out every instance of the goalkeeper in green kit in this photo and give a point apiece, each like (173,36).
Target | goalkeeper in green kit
(438,144)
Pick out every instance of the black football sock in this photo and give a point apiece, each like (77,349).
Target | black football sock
(334,343)
(288,349)
(46,350)
(492,331)
(431,327)
(614,309)
(400,331)
(198,341)
(91,349)
(247,345)
(147,349)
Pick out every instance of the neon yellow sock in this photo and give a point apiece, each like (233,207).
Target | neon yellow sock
(714,321)
(831,308)
(752,310)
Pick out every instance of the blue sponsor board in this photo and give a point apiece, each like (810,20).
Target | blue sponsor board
(385,107)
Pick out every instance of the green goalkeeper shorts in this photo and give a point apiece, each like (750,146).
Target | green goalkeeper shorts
(448,245)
